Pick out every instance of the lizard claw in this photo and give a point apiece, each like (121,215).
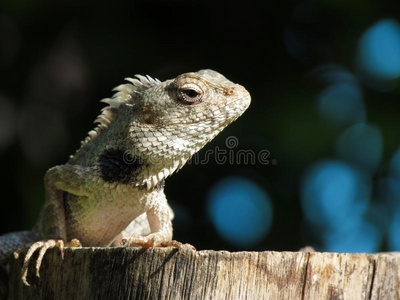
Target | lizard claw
(177,244)
(148,242)
(43,246)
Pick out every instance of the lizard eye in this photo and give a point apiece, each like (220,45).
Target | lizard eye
(190,94)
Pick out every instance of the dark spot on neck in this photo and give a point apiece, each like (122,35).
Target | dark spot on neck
(119,166)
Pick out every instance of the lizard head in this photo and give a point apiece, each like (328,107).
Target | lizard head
(190,110)
(205,98)
(170,121)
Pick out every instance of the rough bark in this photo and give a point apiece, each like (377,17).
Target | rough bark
(132,273)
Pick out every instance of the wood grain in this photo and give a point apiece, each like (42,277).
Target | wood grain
(133,273)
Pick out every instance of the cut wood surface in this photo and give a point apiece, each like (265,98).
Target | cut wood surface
(133,273)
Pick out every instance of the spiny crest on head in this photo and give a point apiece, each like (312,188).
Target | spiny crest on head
(123,95)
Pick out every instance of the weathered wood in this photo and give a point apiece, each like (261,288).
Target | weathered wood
(132,273)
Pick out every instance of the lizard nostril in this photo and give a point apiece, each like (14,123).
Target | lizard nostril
(230,92)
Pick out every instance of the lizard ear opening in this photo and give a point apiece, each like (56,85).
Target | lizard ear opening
(148,116)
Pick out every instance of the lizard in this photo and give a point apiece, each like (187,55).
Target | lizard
(111,191)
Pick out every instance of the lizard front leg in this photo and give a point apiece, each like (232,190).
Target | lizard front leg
(58,181)
(52,223)
(159,218)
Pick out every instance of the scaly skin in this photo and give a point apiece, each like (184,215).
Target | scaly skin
(111,190)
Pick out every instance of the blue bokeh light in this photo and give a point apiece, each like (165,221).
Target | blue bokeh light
(341,101)
(379,52)
(335,199)
(362,145)
(333,194)
(241,211)
(357,236)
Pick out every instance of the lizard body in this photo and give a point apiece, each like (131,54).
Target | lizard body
(111,189)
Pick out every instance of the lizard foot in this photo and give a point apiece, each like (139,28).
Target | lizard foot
(178,245)
(148,242)
(42,246)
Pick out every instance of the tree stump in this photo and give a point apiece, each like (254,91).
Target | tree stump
(136,273)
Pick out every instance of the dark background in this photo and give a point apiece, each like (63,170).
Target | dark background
(59,58)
